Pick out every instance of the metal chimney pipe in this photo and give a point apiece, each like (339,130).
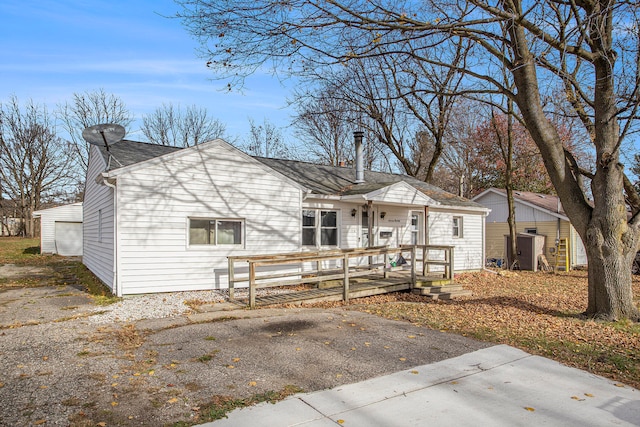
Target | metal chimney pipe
(357,136)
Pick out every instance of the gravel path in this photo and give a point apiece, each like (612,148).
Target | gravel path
(160,306)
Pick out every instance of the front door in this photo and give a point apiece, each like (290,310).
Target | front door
(417,228)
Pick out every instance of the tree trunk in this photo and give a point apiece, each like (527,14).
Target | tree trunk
(610,240)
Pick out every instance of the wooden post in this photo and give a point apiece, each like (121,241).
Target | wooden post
(451,264)
(319,272)
(252,285)
(231,279)
(345,281)
(413,267)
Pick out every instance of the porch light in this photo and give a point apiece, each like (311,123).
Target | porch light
(354,212)
(382,215)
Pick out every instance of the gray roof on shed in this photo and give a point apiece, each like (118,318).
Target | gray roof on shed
(320,179)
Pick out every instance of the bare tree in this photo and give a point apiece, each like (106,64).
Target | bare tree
(266,140)
(34,162)
(169,125)
(588,47)
(322,127)
(89,109)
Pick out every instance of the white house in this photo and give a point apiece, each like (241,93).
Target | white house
(61,230)
(161,219)
(536,213)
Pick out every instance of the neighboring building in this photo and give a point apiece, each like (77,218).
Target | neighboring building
(11,223)
(535,214)
(61,230)
(161,219)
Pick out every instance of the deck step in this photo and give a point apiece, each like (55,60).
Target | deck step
(442,292)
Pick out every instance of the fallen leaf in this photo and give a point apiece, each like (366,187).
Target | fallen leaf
(252,383)
(39,422)
(411,336)
(327,342)
(367,344)
(577,398)
(114,403)
(529,409)
(115,376)
(298,349)
(338,375)
(340,421)
(172,400)
(152,372)
(402,359)
(102,424)
(137,374)
(353,348)
(588,394)
(619,385)
(114,384)
(45,358)
(231,367)
(236,359)
(44,386)
(415,372)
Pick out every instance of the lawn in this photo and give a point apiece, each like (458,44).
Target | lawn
(537,312)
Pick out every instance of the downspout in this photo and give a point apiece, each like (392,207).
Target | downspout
(116,289)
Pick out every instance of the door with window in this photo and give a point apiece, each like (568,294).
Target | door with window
(417,228)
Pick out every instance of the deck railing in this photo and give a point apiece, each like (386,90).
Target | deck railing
(297,268)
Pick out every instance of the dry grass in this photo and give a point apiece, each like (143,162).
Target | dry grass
(60,270)
(537,312)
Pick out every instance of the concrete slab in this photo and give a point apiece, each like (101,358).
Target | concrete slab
(497,386)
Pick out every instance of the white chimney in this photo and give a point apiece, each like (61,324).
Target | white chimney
(357,136)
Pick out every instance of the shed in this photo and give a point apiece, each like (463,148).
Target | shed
(61,230)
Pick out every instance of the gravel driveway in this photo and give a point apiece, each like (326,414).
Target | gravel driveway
(154,362)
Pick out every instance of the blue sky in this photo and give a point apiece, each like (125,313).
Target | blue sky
(51,49)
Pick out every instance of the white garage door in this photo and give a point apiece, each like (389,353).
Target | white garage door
(68,238)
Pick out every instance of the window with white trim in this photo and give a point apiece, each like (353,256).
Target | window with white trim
(319,227)
(208,231)
(457,226)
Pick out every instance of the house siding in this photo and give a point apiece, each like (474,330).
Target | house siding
(48,219)
(156,202)
(98,254)
(468,248)
(500,211)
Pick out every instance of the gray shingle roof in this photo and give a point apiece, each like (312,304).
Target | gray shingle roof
(126,152)
(320,179)
(335,180)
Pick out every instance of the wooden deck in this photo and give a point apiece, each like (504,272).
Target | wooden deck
(338,275)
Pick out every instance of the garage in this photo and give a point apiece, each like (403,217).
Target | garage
(68,238)
(61,230)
